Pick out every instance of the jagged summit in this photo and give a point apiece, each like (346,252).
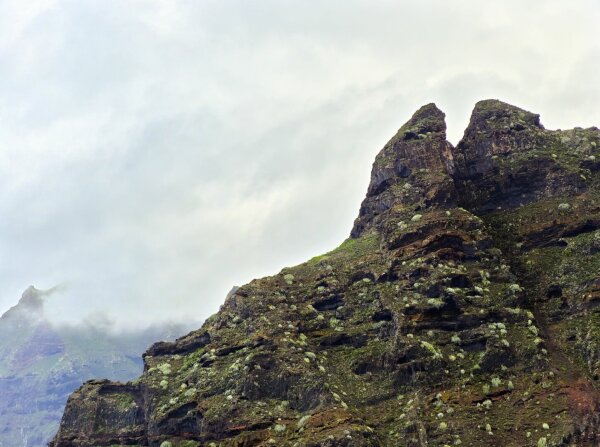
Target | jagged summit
(496,129)
(463,310)
(426,120)
(493,113)
(412,170)
(506,158)
(30,307)
(31,297)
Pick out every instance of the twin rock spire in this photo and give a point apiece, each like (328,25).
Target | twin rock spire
(418,168)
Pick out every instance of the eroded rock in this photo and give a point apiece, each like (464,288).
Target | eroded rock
(474,323)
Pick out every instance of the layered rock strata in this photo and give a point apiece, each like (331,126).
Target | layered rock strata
(463,310)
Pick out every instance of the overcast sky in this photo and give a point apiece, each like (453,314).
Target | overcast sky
(155,153)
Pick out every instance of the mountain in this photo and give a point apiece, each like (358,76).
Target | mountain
(463,310)
(42,363)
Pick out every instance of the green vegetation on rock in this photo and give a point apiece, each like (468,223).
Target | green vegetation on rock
(461,311)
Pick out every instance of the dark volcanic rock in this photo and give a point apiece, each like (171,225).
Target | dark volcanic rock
(463,310)
(507,158)
(412,171)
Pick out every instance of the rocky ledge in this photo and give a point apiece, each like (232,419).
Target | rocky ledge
(463,310)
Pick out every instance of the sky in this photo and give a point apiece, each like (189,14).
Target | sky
(153,154)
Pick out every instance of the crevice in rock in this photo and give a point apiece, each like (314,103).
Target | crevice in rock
(329,303)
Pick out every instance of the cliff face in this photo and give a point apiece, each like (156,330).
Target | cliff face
(463,310)
(42,363)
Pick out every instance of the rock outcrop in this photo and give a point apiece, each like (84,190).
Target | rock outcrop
(463,310)
(413,168)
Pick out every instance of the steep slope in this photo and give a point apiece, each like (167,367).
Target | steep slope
(461,311)
(41,364)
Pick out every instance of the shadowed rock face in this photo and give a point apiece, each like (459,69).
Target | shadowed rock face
(463,310)
(507,158)
(413,168)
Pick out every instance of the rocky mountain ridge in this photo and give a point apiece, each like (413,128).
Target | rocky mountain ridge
(463,310)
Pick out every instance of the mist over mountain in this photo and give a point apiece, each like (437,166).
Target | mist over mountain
(42,361)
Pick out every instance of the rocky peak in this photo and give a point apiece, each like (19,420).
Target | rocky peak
(462,311)
(496,129)
(492,115)
(411,171)
(506,158)
(30,307)
(31,298)
(428,119)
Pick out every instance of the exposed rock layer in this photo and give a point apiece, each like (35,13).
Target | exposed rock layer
(463,310)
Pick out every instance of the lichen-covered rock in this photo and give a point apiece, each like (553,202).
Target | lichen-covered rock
(462,311)
(506,158)
(412,170)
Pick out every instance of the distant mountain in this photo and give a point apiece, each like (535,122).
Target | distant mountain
(42,363)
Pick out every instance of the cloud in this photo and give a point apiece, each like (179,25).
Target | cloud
(156,153)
